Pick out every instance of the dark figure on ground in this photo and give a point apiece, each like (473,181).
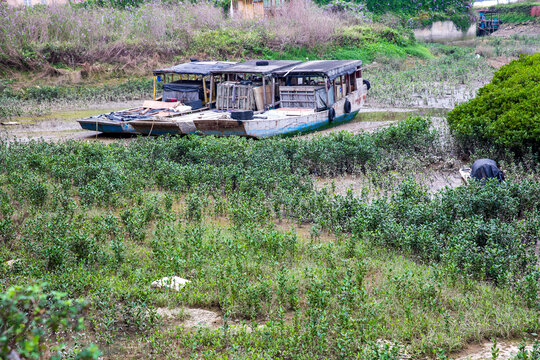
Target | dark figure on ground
(485,169)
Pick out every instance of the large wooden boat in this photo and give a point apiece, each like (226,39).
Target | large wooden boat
(267,98)
(312,95)
(233,88)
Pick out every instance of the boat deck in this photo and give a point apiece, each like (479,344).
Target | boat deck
(274,114)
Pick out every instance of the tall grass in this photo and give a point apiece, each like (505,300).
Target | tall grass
(73,35)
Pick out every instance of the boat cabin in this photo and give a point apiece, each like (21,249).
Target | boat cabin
(250,85)
(189,83)
(318,84)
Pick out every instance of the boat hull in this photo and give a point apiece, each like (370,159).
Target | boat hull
(261,128)
(107,126)
(164,127)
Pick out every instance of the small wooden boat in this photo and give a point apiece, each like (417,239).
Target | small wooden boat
(185,89)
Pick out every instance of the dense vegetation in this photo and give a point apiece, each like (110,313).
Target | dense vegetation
(428,273)
(505,112)
(73,36)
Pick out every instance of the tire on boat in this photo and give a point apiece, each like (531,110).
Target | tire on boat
(347,106)
(242,114)
(331,114)
(261,63)
(366,82)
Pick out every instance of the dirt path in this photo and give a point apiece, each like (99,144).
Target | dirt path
(528,28)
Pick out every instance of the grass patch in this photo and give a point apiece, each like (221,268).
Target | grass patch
(426,273)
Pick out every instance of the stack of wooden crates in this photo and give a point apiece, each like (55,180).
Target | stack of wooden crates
(231,95)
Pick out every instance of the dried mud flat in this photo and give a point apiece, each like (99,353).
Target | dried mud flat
(191,317)
(507,350)
(60,125)
(434,179)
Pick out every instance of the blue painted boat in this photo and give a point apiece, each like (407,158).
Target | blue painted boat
(282,121)
(107,126)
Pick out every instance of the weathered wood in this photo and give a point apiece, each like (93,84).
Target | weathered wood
(204,90)
(243,96)
(326,85)
(264,91)
(211,89)
(273,92)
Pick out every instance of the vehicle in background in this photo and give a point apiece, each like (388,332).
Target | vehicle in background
(488,22)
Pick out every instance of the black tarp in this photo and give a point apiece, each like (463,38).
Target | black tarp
(184,91)
(182,87)
(485,169)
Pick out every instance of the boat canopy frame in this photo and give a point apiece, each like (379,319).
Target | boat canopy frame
(347,71)
(331,69)
(265,68)
(193,70)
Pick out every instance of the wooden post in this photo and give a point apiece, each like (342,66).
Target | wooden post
(211,89)
(204,90)
(326,85)
(273,92)
(343,90)
(264,92)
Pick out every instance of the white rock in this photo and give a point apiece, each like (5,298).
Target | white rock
(174,282)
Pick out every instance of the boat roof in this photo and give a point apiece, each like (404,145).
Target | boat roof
(196,67)
(251,67)
(330,68)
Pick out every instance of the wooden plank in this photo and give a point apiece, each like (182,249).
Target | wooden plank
(211,88)
(273,92)
(264,91)
(151,104)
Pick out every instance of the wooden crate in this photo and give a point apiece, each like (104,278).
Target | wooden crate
(231,95)
(302,96)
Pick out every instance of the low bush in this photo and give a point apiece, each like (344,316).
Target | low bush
(28,315)
(230,215)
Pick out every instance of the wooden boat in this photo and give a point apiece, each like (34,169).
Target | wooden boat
(185,90)
(312,95)
(239,82)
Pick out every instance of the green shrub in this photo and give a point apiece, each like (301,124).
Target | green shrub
(505,113)
(28,316)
